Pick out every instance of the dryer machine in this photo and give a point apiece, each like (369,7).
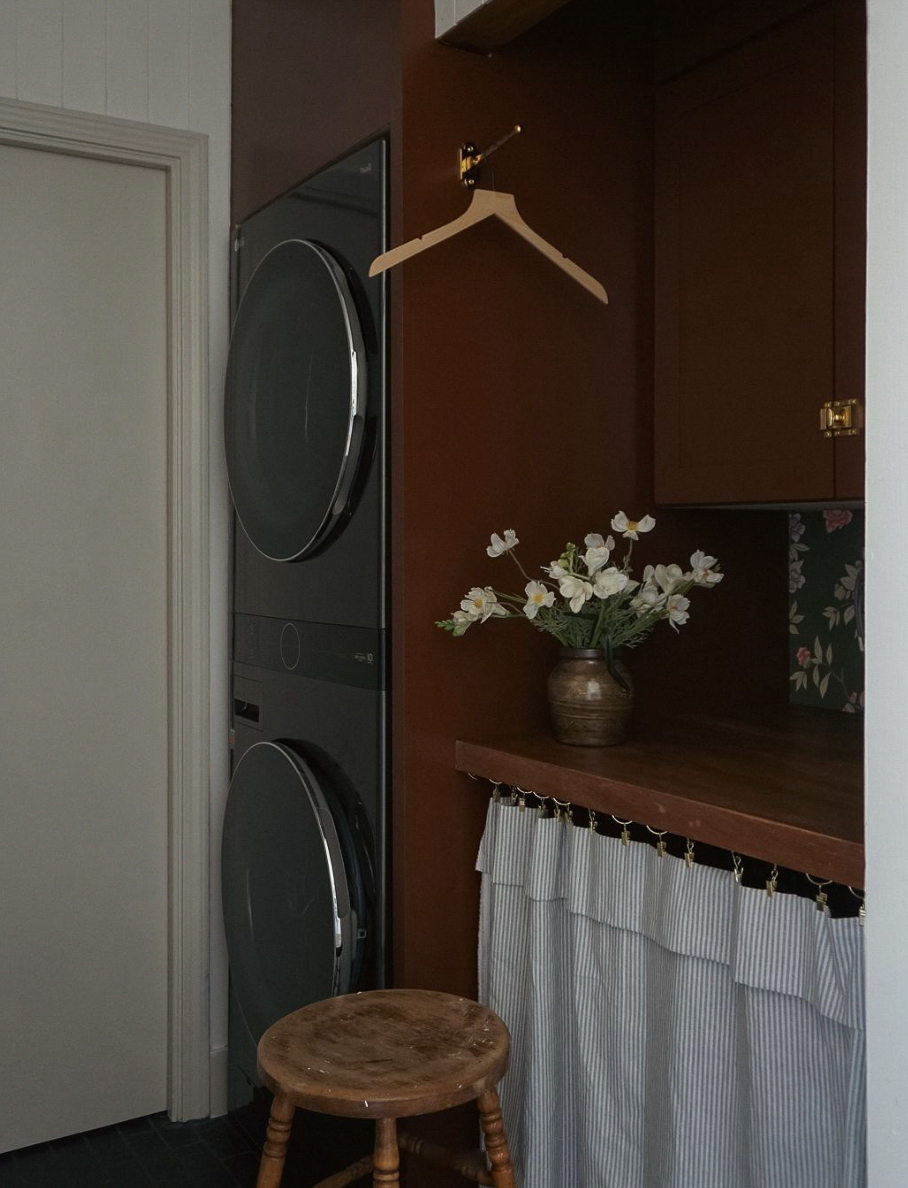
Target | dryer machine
(304,415)
(303,873)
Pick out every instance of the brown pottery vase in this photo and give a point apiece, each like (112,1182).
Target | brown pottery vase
(588,706)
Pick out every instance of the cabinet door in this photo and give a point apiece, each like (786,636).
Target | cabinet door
(745,271)
(850,231)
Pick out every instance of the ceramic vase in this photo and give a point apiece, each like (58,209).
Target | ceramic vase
(589,705)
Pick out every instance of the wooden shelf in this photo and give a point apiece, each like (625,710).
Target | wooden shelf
(496,22)
(787,790)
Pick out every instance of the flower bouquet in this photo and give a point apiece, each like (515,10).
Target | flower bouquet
(591,604)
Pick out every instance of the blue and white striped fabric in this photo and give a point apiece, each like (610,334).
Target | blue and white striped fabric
(670,1028)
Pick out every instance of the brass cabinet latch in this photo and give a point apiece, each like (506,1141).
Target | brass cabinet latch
(840,418)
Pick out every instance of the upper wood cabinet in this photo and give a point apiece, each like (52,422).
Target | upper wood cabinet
(760,173)
(485,25)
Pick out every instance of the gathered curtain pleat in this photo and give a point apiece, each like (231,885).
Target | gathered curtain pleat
(670,1028)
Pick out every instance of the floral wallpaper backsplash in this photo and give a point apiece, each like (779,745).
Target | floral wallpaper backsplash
(826,608)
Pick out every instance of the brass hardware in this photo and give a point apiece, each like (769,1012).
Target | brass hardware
(821,897)
(840,418)
(862,908)
(469,160)
(660,844)
(625,832)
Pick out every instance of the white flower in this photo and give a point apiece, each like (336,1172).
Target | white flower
(537,596)
(555,570)
(649,599)
(668,576)
(576,591)
(676,606)
(481,604)
(461,621)
(595,541)
(595,558)
(609,581)
(631,528)
(702,566)
(499,546)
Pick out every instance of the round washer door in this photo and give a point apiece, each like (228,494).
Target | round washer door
(291,931)
(295,400)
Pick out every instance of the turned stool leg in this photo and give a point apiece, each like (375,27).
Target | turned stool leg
(496,1140)
(387,1156)
(274,1152)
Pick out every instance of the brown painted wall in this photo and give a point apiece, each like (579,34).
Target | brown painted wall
(517,400)
(522,402)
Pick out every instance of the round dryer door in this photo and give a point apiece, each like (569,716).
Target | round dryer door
(295,400)
(291,930)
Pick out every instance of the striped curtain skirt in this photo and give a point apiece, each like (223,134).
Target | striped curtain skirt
(671,1028)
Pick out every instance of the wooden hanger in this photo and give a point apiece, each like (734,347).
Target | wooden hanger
(484,205)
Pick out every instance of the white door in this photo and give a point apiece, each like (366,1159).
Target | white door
(83,644)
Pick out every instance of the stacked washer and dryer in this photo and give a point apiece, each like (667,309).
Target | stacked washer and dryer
(304,849)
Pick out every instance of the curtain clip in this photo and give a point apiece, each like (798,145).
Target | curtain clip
(563,811)
(625,834)
(821,897)
(660,844)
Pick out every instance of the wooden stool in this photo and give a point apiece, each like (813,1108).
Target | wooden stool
(387,1054)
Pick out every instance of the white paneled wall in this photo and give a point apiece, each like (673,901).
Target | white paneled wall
(449,12)
(160,62)
(154,61)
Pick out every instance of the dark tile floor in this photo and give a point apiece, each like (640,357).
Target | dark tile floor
(213,1153)
(144,1153)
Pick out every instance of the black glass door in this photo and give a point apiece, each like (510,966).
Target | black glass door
(292,931)
(294,405)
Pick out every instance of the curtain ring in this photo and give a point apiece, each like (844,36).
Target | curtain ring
(541,802)
(625,835)
(739,867)
(567,806)
(689,853)
(821,897)
(660,844)
(862,908)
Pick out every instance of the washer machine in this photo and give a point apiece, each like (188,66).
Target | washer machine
(303,871)
(305,400)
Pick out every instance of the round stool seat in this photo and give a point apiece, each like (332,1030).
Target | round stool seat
(384,1053)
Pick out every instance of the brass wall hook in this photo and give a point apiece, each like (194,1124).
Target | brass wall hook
(469,160)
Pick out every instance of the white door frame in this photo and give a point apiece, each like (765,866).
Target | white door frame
(183,158)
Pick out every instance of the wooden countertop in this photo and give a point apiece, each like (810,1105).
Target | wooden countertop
(787,790)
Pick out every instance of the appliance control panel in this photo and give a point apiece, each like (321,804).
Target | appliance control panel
(320,651)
